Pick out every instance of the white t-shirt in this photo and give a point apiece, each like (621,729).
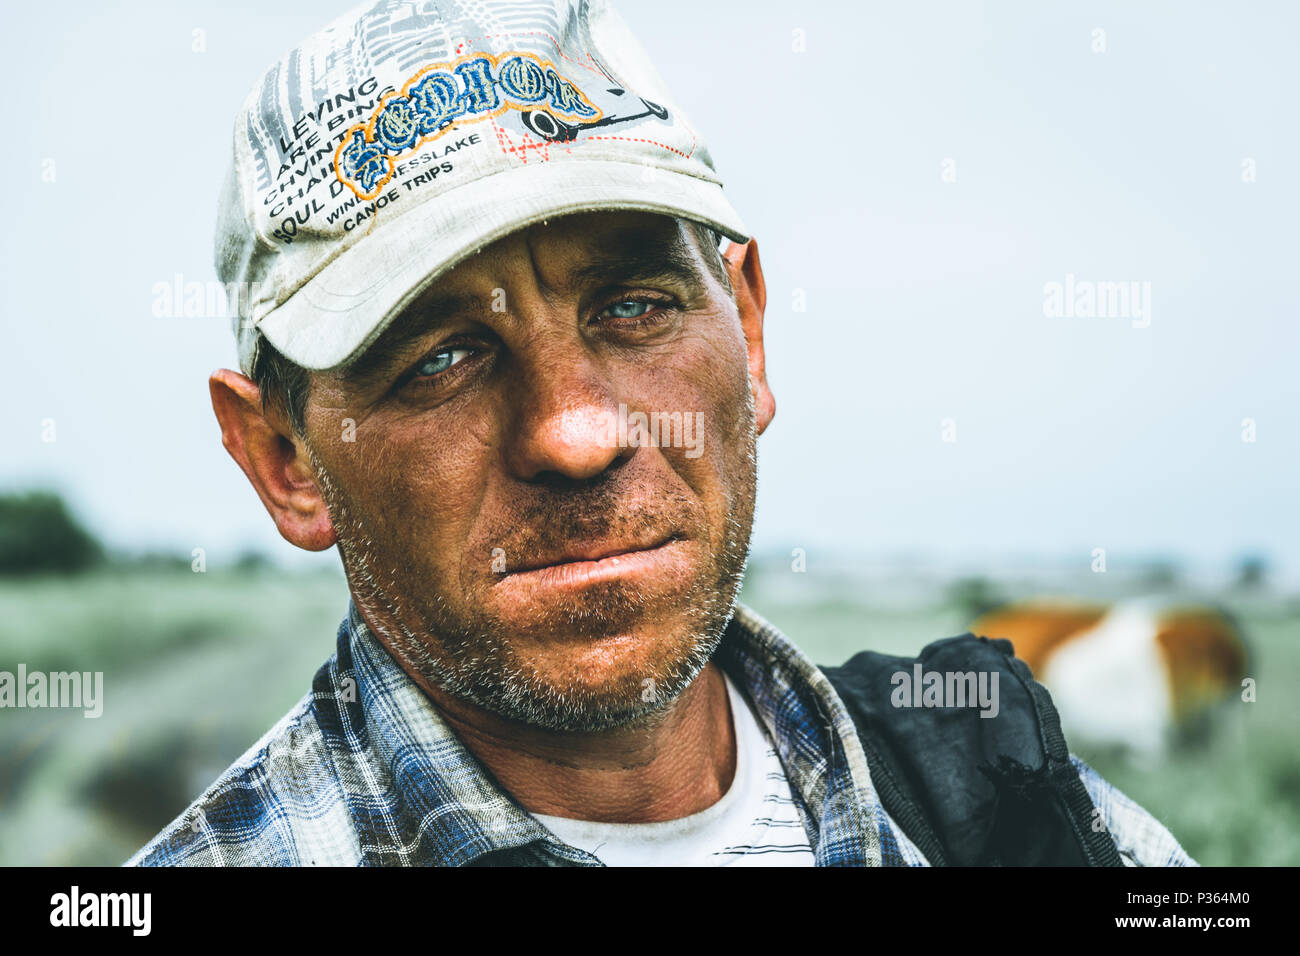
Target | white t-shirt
(756,823)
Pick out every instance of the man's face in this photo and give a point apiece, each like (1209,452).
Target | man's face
(506,520)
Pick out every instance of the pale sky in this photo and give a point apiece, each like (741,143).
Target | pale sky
(924,297)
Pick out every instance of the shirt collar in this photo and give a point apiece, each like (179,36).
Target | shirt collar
(429,800)
(814,736)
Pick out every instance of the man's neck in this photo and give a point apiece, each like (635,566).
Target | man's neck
(680,765)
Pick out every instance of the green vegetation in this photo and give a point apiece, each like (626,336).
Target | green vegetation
(38,534)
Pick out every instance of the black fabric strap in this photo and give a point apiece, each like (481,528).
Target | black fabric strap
(970,790)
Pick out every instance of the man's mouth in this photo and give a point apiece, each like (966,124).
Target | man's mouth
(580,565)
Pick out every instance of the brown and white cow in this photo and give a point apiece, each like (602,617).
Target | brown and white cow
(1140,674)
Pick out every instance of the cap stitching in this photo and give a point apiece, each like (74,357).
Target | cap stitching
(652,142)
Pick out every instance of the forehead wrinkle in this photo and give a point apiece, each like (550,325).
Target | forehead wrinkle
(546,289)
(630,254)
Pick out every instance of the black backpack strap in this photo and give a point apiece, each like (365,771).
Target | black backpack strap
(972,790)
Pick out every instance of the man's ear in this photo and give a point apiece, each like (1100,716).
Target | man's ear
(750,293)
(264,446)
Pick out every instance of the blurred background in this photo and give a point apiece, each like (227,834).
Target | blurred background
(1114,489)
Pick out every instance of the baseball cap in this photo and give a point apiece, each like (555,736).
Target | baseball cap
(405,136)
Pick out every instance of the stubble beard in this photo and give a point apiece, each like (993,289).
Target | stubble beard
(474,660)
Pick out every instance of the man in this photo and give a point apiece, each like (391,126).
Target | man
(492,351)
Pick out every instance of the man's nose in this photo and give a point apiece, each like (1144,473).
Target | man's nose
(565,420)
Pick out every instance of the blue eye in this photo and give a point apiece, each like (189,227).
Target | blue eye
(629,309)
(440,362)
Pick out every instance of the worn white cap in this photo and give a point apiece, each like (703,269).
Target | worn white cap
(407,135)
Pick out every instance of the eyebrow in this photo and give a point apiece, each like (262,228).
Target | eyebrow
(625,258)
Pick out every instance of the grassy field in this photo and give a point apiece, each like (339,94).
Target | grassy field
(198,666)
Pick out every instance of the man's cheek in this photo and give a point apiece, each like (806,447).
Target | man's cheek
(433,512)
(714,399)
(393,507)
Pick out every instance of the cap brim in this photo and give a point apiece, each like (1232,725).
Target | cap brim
(341,310)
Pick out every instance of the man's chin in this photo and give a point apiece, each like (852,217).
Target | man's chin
(592,705)
(613,662)
(584,681)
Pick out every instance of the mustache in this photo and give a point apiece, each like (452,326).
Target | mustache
(600,513)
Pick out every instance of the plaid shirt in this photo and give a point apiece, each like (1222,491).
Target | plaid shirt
(364,771)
